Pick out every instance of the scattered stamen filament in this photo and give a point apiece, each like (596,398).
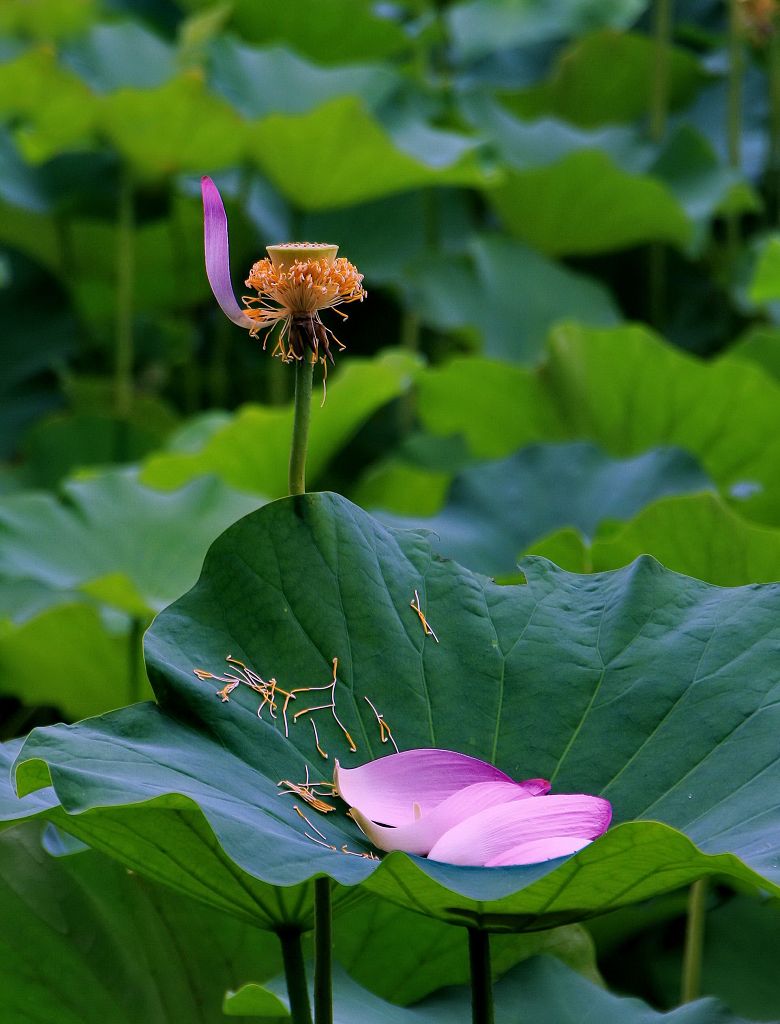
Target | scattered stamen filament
(320,751)
(415,604)
(308,791)
(322,841)
(327,707)
(385,732)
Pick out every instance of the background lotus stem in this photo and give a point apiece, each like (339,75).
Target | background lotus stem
(323,952)
(658,114)
(694,941)
(773,170)
(135,660)
(304,374)
(125,278)
(734,115)
(481,977)
(295,975)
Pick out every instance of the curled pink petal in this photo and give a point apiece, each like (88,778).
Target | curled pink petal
(538,850)
(386,790)
(419,836)
(486,836)
(215,236)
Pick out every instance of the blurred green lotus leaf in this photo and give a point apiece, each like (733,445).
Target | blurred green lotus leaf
(109,932)
(765,284)
(52,108)
(496,509)
(195,781)
(119,55)
(47,19)
(699,535)
(541,990)
(249,450)
(607,78)
(509,295)
(110,527)
(586,204)
(340,154)
(179,126)
(274,80)
(329,35)
(481,27)
(627,391)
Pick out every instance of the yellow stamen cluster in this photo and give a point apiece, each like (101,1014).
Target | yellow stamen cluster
(294,294)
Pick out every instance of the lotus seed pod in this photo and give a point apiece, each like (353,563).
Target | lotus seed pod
(284,255)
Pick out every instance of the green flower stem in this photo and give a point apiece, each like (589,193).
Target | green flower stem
(659,97)
(323,952)
(304,375)
(694,941)
(658,115)
(125,275)
(481,977)
(295,975)
(135,660)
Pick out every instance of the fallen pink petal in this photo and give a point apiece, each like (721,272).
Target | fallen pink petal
(454,808)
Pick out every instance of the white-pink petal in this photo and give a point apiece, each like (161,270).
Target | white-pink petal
(387,790)
(217,250)
(420,835)
(486,837)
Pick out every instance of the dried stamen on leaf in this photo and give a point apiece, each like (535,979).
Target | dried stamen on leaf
(326,707)
(307,791)
(415,605)
(320,751)
(385,733)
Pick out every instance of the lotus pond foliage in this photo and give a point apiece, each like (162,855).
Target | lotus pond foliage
(389,624)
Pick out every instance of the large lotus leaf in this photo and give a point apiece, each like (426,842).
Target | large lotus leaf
(68,658)
(662,687)
(179,126)
(83,941)
(698,535)
(586,204)
(480,27)
(329,35)
(496,509)
(339,154)
(119,55)
(55,108)
(259,82)
(12,809)
(608,77)
(118,536)
(627,391)
(509,295)
(250,450)
(760,345)
(540,990)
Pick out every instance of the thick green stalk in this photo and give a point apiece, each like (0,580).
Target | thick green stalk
(694,942)
(323,952)
(295,975)
(304,374)
(481,977)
